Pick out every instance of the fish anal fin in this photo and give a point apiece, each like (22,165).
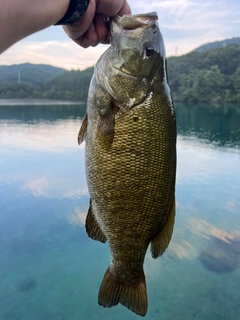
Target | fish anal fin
(92,227)
(83,129)
(131,294)
(161,241)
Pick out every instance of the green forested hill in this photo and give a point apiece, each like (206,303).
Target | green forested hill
(218,44)
(70,85)
(27,73)
(206,76)
(212,75)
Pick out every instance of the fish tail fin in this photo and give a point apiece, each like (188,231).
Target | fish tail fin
(132,295)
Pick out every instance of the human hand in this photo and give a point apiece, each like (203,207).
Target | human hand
(92,28)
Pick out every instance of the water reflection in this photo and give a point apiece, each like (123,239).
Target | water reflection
(46,259)
(38,112)
(219,125)
(220,256)
(34,137)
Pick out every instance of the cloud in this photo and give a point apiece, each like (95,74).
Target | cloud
(51,185)
(203,228)
(185,24)
(193,15)
(37,186)
(182,250)
(78,217)
(65,54)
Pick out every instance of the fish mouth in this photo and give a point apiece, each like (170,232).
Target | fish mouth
(131,22)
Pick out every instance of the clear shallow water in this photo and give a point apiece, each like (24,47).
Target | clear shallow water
(50,269)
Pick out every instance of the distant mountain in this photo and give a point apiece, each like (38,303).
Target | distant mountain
(27,73)
(218,44)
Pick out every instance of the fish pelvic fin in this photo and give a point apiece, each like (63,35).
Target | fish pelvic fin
(92,227)
(131,294)
(83,129)
(161,241)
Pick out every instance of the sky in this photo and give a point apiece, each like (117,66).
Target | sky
(185,25)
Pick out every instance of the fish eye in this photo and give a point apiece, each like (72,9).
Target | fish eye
(149,49)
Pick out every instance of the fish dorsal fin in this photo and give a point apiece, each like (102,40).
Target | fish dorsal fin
(83,129)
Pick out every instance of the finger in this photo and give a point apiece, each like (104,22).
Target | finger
(89,38)
(98,32)
(102,28)
(125,9)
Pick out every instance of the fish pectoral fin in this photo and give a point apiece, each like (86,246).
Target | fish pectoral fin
(106,126)
(131,294)
(83,129)
(106,117)
(161,241)
(92,227)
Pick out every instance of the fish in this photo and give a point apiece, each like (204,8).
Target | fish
(130,156)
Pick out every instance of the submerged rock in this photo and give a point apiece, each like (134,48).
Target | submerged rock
(220,256)
(27,284)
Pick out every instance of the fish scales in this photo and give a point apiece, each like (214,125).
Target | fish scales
(130,159)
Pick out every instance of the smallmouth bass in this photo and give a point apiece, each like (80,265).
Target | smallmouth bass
(130,156)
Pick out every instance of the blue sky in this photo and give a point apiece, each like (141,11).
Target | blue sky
(185,25)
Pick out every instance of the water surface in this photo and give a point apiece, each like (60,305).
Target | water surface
(50,269)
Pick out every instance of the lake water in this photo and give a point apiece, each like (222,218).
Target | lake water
(50,269)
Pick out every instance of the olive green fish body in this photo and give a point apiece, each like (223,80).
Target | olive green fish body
(130,157)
